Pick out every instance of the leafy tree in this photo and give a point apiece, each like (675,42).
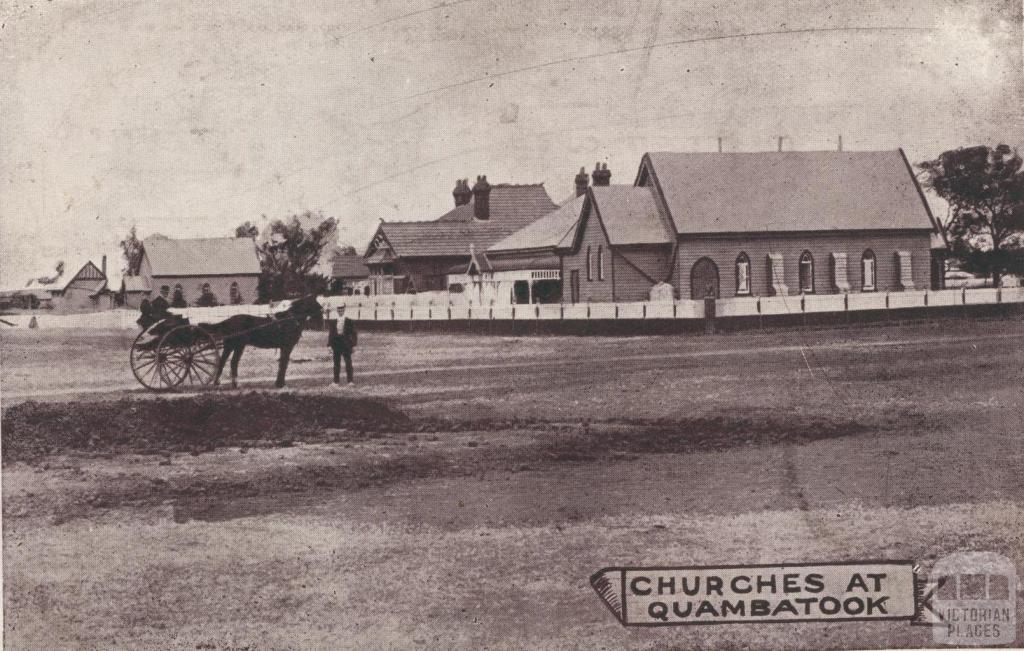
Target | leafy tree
(289,254)
(131,248)
(247,229)
(984,187)
(207,299)
(49,280)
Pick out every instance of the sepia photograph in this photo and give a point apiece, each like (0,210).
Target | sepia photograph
(544,324)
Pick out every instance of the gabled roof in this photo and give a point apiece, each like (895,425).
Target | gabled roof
(215,256)
(788,191)
(511,208)
(546,232)
(477,261)
(349,265)
(91,286)
(88,277)
(380,256)
(631,215)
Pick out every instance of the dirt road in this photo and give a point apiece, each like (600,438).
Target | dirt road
(885,443)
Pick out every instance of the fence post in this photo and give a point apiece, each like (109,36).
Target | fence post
(709,316)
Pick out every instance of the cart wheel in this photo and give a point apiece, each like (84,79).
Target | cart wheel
(146,362)
(189,357)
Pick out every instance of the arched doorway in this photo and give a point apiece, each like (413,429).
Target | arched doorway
(704,279)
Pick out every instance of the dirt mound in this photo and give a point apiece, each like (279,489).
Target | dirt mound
(33,429)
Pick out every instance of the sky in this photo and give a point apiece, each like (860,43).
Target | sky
(189,118)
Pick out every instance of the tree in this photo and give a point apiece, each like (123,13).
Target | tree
(289,254)
(49,280)
(984,187)
(247,229)
(131,248)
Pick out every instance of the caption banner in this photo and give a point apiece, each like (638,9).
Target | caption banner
(666,596)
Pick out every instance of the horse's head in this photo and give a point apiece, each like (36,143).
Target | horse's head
(304,308)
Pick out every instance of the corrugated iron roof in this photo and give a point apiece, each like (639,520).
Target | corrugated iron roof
(523,263)
(789,191)
(215,256)
(511,208)
(349,265)
(547,231)
(631,215)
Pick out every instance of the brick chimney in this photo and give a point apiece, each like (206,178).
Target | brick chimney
(462,193)
(582,181)
(601,175)
(482,198)
(103,266)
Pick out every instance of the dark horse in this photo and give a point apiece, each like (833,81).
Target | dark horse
(281,330)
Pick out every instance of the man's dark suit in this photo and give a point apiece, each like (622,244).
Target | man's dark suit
(342,343)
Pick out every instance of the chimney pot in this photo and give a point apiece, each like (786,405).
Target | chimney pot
(582,181)
(482,198)
(601,175)
(462,193)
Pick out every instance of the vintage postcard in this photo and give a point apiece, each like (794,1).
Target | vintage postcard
(467,324)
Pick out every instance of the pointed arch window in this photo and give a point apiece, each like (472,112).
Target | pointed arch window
(590,264)
(600,263)
(868,271)
(806,273)
(742,275)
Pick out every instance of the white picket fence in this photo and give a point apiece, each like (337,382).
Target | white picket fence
(408,308)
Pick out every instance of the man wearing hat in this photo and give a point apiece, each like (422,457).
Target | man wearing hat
(342,339)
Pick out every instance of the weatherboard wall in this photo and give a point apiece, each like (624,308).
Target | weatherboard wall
(592,290)
(724,249)
(220,286)
(636,267)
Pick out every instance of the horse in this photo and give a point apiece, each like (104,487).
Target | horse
(281,330)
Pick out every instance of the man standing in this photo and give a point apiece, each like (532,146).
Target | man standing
(342,339)
(158,308)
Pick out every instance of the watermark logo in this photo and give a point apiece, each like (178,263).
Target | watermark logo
(971,599)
